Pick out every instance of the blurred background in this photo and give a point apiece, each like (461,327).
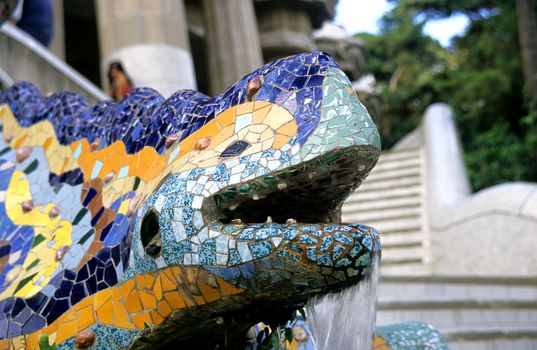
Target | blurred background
(467,54)
(402,55)
(453,195)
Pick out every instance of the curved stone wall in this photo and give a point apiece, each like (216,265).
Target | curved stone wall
(491,232)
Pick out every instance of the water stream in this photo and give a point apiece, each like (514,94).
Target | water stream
(345,320)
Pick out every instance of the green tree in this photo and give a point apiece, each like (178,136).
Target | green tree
(526,20)
(405,63)
(480,76)
(434,9)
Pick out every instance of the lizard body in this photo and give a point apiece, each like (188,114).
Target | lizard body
(153,211)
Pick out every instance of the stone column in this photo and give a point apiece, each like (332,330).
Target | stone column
(150,39)
(285,27)
(232,41)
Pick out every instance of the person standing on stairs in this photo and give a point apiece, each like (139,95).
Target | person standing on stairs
(37,20)
(120,83)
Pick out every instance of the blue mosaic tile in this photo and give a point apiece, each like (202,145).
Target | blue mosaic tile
(261,249)
(108,246)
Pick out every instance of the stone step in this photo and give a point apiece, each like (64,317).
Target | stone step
(407,269)
(388,156)
(396,183)
(499,339)
(391,226)
(401,232)
(401,239)
(396,173)
(387,214)
(396,193)
(382,167)
(486,289)
(458,304)
(402,253)
(401,260)
(353,205)
(390,201)
(468,311)
(457,317)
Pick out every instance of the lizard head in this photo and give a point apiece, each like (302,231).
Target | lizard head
(254,195)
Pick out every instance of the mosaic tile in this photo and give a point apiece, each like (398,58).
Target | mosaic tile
(410,335)
(155,206)
(403,336)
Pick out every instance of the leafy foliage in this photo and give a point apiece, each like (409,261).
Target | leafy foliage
(495,156)
(475,9)
(480,76)
(44,343)
(405,63)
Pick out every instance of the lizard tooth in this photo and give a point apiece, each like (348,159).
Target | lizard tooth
(60,253)
(27,206)
(54,212)
(95,144)
(202,143)
(108,177)
(253,87)
(233,207)
(282,185)
(23,153)
(236,221)
(255,197)
(269,219)
(84,339)
(170,140)
(290,221)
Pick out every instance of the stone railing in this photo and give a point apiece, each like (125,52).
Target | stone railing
(491,232)
(23,58)
(5,79)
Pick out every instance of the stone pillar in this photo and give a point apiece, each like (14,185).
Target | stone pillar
(57,46)
(348,51)
(285,27)
(284,32)
(232,41)
(150,39)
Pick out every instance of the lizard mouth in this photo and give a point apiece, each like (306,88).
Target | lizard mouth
(301,253)
(311,192)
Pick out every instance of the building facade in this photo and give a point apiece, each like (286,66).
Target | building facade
(201,44)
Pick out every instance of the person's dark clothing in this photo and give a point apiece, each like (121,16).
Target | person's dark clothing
(37,20)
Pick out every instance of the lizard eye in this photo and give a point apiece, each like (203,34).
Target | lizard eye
(235,148)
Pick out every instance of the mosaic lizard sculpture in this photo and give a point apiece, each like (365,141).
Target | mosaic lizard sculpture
(169,212)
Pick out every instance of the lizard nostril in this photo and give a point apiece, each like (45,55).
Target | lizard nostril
(153,249)
(150,234)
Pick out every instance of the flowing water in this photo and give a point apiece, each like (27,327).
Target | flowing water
(345,320)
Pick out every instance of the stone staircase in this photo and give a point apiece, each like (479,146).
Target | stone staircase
(471,312)
(391,200)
